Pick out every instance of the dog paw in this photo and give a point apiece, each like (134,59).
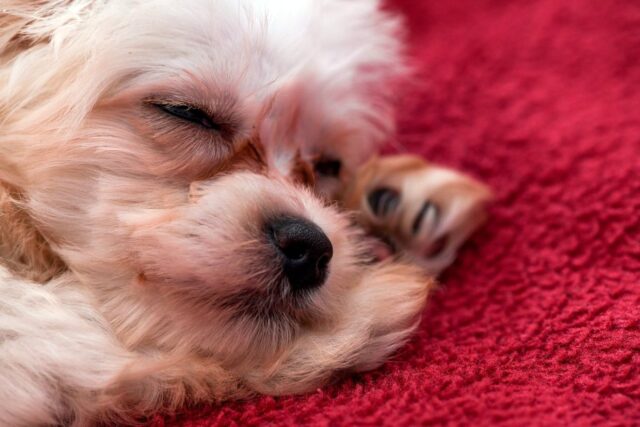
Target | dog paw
(421,210)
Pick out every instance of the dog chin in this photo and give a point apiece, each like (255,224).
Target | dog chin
(207,281)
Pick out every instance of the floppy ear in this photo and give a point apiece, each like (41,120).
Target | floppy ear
(23,249)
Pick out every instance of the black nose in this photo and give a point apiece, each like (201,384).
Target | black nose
(304,249)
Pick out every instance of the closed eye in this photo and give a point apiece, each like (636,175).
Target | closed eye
(194,115)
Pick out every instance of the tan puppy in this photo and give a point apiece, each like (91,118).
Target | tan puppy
(169,232)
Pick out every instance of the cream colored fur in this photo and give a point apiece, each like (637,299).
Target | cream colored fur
(157,223)
(136,276)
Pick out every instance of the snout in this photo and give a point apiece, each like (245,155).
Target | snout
(303,249)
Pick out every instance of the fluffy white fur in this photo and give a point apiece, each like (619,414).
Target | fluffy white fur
(145,232)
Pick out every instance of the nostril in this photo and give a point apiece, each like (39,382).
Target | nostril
(294,252)
(304,250)
(323,262)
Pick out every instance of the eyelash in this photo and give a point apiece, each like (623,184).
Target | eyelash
(196,116)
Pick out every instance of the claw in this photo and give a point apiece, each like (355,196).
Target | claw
(429,214)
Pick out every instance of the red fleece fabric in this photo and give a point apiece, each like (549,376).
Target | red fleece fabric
(538,322)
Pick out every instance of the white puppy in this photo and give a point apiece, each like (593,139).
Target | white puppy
(167,230)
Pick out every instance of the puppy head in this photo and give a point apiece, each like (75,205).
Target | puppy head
(174,156)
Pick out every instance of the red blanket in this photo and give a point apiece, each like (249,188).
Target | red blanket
(538,323)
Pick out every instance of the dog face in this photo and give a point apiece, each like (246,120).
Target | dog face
(179,158)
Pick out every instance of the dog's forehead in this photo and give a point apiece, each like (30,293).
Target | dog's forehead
(243,52)
(246,45)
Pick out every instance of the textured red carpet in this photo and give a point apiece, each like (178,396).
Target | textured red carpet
(539,321)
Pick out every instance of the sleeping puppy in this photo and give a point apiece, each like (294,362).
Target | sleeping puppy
(189,210)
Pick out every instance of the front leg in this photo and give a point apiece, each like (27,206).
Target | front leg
(422,210)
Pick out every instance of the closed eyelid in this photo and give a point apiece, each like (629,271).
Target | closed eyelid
(227,123)
(218,102)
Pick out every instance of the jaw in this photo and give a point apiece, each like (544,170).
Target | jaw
(369,322)
(365,313)
(113,383)
(378,316)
